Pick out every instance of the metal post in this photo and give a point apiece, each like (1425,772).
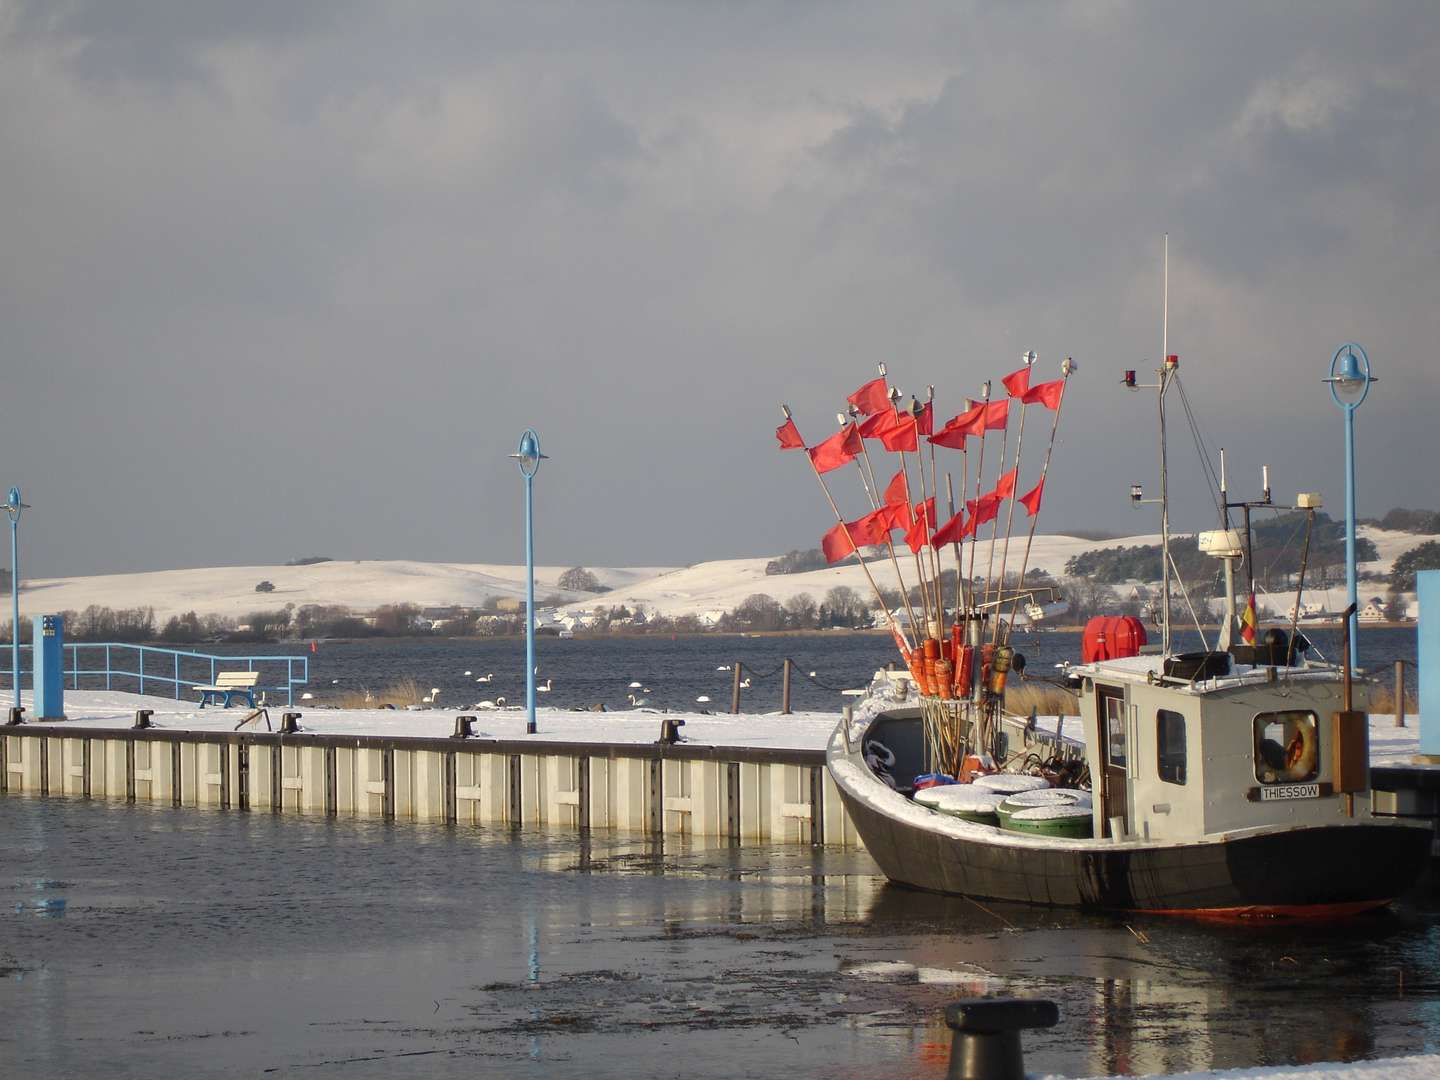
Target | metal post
(15,597)
(735,689)
(528,455)
(785,686)
(529,606)
(1352,589)
(1399,693)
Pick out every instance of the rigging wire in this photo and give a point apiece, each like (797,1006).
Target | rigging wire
(1201,447)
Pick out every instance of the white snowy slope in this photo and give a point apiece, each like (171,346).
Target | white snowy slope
(693,590)
(1420,1067)
(361,585)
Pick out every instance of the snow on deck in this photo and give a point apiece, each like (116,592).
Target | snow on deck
(106,709)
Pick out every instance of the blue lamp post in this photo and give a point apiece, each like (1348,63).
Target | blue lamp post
(1350,381)
(529,456)
(13,506)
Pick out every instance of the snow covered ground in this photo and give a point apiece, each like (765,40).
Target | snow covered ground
(1389,745)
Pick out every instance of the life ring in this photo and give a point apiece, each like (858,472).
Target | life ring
(1302,751)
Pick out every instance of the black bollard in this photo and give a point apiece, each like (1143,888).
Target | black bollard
(290,723)
(464,727)
(986,1043)
(17,716)
(142,718)
(670,730)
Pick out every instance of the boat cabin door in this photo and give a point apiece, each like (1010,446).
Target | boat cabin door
(1114,757)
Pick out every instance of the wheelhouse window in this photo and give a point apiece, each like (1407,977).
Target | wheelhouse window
(1115,731)
(1170,741)
(1287,747)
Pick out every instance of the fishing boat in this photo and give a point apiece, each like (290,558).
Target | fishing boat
(1229,782)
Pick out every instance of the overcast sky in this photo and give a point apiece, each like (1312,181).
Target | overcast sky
(285,278)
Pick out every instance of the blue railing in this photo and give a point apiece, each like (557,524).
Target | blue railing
(122,666)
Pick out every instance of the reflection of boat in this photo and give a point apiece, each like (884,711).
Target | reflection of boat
(1236,792)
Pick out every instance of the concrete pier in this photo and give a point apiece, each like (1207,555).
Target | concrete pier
(740,794)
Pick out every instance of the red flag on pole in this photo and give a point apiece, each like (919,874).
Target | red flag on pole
(789,436)
(1249,621)
(1047,394)
(950,532)
(925,419)
(958,428)
(1031,499)
(897,492)
(872,528)
(873,397)
(902,436)
(997,413)
(876,426)
(918,534)
(840,448)
(1005,486)
(985,508)
(1017,382)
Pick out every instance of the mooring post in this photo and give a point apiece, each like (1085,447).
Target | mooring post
(1399,693)
(785,686)
(735,689)
(986,1040)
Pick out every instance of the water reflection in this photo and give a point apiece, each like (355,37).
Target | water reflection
(200,943)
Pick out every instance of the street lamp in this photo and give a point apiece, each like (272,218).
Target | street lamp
(1350,381)
(13,506)
(529,457)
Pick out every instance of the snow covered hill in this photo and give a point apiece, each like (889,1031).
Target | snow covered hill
(704,587)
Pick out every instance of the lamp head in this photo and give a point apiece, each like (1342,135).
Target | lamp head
(1136,494)
(13,505)
(1350,376)
(528,453)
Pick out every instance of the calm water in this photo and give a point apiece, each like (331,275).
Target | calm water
(587,672)
(203,944)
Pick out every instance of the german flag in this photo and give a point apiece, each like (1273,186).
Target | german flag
(1248,621)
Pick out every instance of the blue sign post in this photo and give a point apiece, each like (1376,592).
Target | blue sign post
(13,506)
(47,667)
(529,456)
(1350,381)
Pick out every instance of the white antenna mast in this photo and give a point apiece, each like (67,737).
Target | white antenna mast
(1166,370)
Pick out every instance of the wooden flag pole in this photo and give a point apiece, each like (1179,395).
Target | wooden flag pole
(962,598)
(1010,514)
(935,524)
(895,632)
(995,522)
(979,474)
(910,514)
(1066,369)
(889,542)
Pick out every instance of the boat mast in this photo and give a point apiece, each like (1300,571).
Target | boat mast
(1166,370)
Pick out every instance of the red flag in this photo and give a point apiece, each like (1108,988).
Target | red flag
(1047,394)
(836,450)
(902,436)
(918,534)
(950,532)
(898,491)
(925,419)
(879,424)
(789,436)
(1005,486)
(1249,621)
(958,428)
(873,397)
(985,508)
(1031,500)
(872,528)
(1017,382)
(997,413)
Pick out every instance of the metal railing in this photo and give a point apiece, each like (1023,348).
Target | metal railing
(127,667)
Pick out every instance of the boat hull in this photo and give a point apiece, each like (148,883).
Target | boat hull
(1318,872)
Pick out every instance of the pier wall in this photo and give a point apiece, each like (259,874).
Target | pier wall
(743,795)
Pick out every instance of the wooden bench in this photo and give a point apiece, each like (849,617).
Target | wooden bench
(229,685)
